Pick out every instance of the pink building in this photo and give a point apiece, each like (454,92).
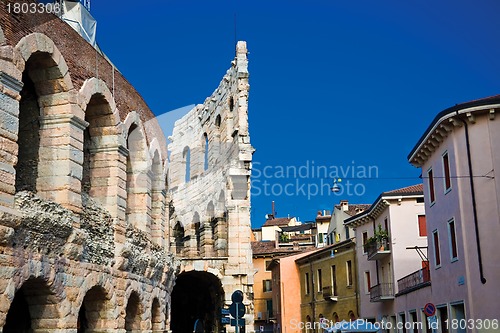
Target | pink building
(458,154)
(391,257)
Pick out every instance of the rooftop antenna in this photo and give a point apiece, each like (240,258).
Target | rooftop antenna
(235,39)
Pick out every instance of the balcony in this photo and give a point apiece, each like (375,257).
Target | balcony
(382,292)
(414,281)
(329,294)
(377,250)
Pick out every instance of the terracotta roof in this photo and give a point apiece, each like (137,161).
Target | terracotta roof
(354,209)
(269,247)
(279,221)
(419,188)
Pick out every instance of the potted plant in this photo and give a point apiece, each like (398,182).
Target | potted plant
(381,237)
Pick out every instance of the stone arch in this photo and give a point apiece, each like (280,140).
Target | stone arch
(157,193)
(196,295)
(206,151)
(156,316)
(96,312)
(196,226)
(186,162)
(101,144)
(133,312)
(48,103)
(138,210)
(179,235)
(34,306)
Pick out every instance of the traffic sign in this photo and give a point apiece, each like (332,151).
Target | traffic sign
(429,309)
(225,320)
(237,296)
(224,312)
(237,310)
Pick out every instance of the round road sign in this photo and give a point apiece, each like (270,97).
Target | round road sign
(237,313)
(429,309)
(237,296)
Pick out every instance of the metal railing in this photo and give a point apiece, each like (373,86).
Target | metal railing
(374,247)
(382,291)
(412,281)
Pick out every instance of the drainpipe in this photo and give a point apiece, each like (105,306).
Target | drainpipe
(356,290)
(313,301)
(473,195)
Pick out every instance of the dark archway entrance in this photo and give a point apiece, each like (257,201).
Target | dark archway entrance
(196,295)
(33,307)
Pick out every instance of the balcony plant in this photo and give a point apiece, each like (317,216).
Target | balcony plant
(381,237)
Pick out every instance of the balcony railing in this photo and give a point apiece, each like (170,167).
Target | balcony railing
(415,280)
(329,293)
(377,250)
(382,292)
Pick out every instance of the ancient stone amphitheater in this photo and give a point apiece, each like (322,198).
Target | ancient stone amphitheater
(105,225)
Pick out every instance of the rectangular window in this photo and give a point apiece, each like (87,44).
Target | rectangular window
(453,240)
(320,281)
(458,315)
(437,255)
(306,284)
(365,239)
(347,233)
(269,308)
(267,285)
(414,320)
(422,226)
(349,273)
(334,281)
(442,314)
(368,283)
(320,238)
(430,179)
(267,263)
(446,169)
(402,319)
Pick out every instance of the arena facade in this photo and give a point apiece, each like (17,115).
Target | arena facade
(106,225)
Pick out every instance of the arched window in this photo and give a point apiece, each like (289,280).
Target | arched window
(206,152)
(178,237)
(186,155)
(217,121)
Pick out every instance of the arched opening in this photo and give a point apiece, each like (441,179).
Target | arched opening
(335,317)
(133,313)
(93,314)
(179,238)
(196,296)
(197,231)
(352,316)
(28,137)
(99,116)
(217,121)
(138,182)
(231,103)
(156,323)
(33,308)
(186,156)
(205,162)
(157,195)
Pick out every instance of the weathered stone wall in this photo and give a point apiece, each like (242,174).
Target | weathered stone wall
(86,220)
(212,205)
(82,186)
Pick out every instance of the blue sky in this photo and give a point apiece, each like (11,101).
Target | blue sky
(334,84)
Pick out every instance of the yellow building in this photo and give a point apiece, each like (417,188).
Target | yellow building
(329,290)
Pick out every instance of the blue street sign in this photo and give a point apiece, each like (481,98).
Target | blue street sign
(224,312)
(237,310)
(225,320)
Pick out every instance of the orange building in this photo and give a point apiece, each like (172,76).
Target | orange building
(286,293)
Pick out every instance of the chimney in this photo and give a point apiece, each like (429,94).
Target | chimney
(320,213)
(344,205)
(273,212)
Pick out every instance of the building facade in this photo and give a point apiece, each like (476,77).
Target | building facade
(392,240)
(99,230)
(328,286)
(458,154)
